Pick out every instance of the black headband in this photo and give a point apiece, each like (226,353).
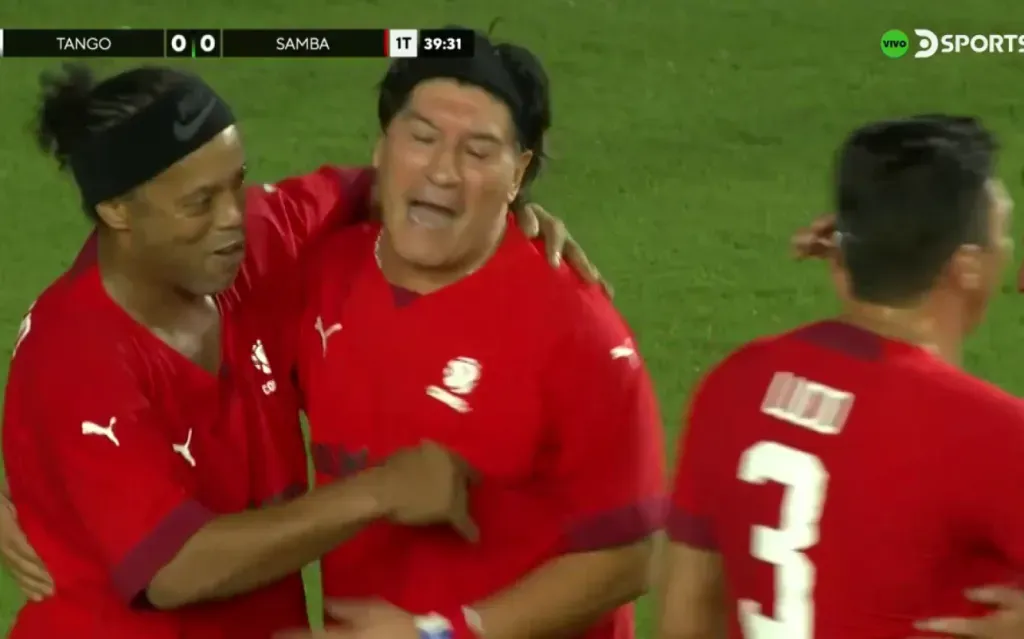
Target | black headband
(114,161)
(485,70)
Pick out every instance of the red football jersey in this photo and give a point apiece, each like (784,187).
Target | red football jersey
(526,372)
(118,449)
(852,484)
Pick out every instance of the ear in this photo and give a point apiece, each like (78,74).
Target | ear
(522,163)
(115,214)
(378,150)
(967,268)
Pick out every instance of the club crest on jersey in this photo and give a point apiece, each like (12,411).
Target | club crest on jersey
(459,378)
(807,403)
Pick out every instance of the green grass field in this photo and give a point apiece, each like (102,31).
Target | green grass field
(689,140)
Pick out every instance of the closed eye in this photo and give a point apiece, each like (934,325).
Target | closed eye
(202,206)
(482,146)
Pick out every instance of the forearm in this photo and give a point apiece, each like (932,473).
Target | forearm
(241,552)
(692,600)
(568,595)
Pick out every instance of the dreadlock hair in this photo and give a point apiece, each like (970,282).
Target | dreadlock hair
(74,105)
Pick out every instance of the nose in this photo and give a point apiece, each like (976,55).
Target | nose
(230,211)
(443,170)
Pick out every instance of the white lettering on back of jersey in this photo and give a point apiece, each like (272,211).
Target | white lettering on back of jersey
(806,403)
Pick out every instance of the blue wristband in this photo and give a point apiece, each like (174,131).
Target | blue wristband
(434,626)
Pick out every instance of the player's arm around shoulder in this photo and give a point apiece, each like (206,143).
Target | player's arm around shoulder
(609,479)
(285,220)
(304,207)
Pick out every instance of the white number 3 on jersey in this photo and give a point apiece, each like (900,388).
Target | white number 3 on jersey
(26,326)
(805,480)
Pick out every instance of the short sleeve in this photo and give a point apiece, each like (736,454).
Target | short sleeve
(611,472)
(329,198)
(82,411)
(285,220)
(689,520)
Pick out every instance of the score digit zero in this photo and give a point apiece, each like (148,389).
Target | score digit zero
(207,43)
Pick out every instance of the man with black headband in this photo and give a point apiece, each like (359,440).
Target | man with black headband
(407,336)
(143,412)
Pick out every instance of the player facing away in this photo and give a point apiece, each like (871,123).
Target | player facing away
(143,414)
(407,336)
(847,478)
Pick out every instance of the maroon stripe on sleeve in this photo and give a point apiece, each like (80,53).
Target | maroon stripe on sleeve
(325,459)
(335,461)
(287,494)
(690,529)
(133,575)
(356,186)
(618,527)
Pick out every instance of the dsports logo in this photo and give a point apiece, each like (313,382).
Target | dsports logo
(896,43)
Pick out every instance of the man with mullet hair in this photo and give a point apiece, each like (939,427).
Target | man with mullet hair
(557,425)
(846,478)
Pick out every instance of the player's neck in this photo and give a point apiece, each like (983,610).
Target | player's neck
(149,300)
(424,281)
(910,325)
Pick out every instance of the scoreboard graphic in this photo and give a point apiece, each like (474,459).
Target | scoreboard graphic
(235,43)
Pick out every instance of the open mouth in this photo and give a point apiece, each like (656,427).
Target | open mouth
(231,249)
(430,215)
